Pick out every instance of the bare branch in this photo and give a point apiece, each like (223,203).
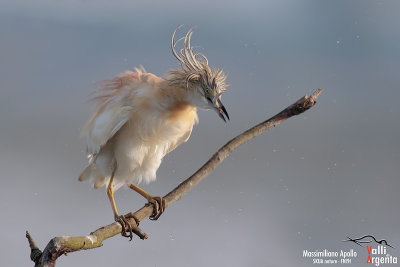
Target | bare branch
(62,245)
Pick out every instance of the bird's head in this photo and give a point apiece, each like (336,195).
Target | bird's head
(204,85)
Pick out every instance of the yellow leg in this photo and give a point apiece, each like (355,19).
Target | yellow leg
(141,192)
(158,202)
(110,194)
(121,219)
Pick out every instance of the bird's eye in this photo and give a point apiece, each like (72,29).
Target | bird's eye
(208,91)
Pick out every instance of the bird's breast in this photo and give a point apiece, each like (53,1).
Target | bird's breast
(149,136)
(181,113)
(152,127)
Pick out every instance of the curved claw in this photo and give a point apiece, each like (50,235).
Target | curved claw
(159,206)
(124,223)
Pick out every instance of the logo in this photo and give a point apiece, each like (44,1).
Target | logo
(362,240)
(377,252)
(376,255)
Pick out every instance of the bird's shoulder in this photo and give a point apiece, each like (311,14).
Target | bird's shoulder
(116,100)
(130,85)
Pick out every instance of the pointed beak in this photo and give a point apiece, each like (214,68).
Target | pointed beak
(221,110)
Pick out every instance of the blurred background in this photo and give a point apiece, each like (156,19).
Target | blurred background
(328,173)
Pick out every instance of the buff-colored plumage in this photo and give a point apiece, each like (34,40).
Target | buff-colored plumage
(139,120)
(140,117)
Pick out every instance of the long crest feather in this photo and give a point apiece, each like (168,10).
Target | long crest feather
(189,60)
(195,64)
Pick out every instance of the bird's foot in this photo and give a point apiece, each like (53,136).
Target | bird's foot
(159,206)
(126,227)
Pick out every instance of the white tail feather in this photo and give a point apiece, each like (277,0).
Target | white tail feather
(93,175)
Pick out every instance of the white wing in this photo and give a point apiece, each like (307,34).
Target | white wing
(114,110)
(104,124)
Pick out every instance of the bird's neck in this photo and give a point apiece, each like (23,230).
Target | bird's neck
(175,103)
(176,93)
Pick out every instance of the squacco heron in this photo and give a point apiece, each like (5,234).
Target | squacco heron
(140,117)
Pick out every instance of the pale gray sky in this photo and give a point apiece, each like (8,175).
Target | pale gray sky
(331,172)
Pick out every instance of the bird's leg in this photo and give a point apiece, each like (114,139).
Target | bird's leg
(157,202)
(121,219)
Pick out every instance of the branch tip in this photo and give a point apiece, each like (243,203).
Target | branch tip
(316,94)
(36,253)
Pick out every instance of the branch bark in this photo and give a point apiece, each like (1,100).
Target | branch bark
(66,244)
